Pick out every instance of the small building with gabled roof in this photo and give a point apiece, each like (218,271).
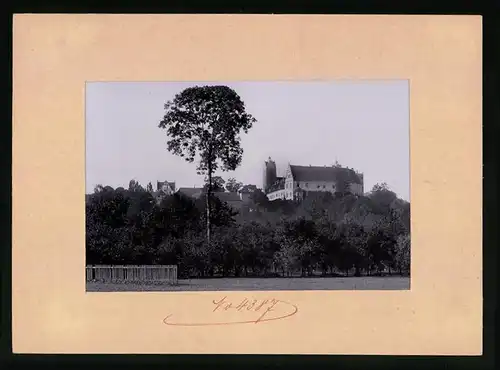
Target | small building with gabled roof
(300,180)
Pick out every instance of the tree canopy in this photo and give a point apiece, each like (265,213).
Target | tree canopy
(232,185)
(324,234)
(206,121)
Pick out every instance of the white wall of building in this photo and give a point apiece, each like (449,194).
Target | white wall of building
(278,194)
(327,186)
(289,184)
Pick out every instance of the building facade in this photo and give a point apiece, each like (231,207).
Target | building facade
(167,187)
(300,180)
(163,189)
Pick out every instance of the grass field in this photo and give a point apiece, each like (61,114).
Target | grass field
(248,284)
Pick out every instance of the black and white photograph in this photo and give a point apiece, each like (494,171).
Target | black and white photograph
(247,185)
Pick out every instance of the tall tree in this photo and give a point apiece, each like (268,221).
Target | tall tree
(207,121)
(149,187)
(232,185)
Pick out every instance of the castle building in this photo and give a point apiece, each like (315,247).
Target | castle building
(270,177)
(167,187)
(234,199)
(163,189)
(301,180)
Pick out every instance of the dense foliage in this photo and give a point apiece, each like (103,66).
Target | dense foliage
(326,234)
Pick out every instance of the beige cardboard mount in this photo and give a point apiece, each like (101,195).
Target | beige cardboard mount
(54,55)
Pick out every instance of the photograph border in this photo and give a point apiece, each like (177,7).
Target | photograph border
(335,84)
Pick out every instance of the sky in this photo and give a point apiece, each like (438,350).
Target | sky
(362,124)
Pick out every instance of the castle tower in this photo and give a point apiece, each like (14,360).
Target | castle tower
(269,174)
(362,179)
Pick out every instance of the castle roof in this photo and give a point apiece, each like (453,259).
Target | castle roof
(223,196)
(318,173)
(191,192)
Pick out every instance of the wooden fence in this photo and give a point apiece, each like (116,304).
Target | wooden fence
(136,273)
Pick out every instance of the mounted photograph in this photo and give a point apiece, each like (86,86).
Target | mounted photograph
(247,185)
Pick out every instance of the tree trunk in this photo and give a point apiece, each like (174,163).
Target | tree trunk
(357,271)
(209,203)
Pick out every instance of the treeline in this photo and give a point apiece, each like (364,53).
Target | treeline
(327,234)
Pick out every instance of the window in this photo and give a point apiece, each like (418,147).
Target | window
(319,186)
(307,184)
(324,186)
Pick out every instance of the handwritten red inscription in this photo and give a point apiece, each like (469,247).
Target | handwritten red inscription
(251,311)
